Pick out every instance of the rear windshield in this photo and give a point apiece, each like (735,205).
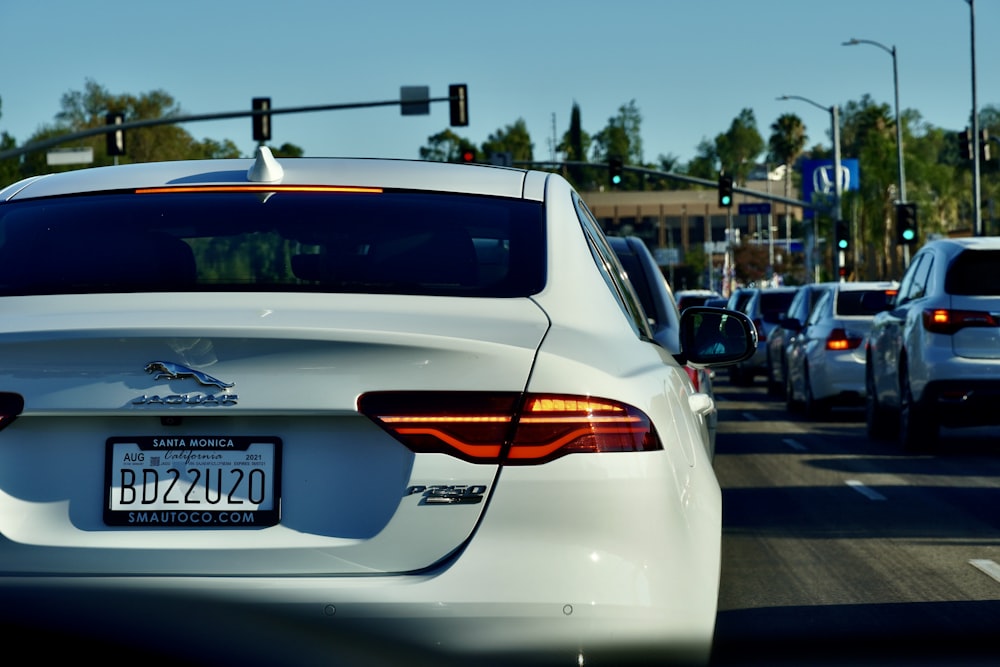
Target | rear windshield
(974,273)
(386,242)
(854,303)
(775,303)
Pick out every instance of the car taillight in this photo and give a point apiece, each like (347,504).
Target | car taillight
(840,339)
(944,321)
(11,405)
(693,374)
(508,428)
(761,334)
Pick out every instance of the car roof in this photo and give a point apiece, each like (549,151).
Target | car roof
(385,173)
(866,285)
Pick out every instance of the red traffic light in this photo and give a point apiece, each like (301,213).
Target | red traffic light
(468,156)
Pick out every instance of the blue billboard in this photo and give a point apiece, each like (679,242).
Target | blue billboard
(817,179)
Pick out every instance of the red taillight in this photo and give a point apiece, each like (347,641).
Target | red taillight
(944,321)
(11,405)
(840,340)
(761,334)
(501,428)
(693,374)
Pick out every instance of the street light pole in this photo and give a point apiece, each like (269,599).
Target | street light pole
(977,194)
(899,124)
(834,112)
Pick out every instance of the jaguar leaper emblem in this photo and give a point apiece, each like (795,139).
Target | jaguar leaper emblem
(166,370)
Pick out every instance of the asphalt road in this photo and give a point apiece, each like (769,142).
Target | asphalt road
(839,550)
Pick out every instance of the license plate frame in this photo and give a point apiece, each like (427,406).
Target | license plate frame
(243,473)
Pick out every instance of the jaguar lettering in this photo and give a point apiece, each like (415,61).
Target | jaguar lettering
(187,399)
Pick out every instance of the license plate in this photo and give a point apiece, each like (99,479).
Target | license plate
(192,482)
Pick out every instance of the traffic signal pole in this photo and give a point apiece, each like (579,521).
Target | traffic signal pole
(177,120)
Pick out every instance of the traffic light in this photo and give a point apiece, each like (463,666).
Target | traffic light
(458,98)
(842,234)
(965,144)
(725,190)
(468,155)
(115,138)
(906,224)
(261,121)
(984,144)
(616,169)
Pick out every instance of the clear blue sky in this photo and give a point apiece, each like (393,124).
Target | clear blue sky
(691,66)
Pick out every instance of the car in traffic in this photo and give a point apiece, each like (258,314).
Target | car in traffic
(932,357)
(788,327)
(414,401)
(694,297)
(764,306)
(826,357)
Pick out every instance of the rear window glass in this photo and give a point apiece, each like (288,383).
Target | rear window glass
(974,273)
(863,302)
(388,242)
(775,303)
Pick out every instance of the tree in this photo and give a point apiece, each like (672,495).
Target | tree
(575,147)
(513,139)
(739,146)
(445,146)
(86,109)
(621,137)
(9,168)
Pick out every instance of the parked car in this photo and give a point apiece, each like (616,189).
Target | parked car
(826,359)
(416,401)
(788,327)
(933,355)
(694,297)
(658,302)
(764,306)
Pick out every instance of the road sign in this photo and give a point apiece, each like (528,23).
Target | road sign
(61,156)
(762,208)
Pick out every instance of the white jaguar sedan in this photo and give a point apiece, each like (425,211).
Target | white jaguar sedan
(265,411)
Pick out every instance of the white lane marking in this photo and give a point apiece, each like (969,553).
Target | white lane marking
(986,566)
(870,494)
(794,445)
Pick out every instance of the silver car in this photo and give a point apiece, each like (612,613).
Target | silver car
(826,359)
(788,328)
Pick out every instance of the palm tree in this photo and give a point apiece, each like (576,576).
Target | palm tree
(785,145)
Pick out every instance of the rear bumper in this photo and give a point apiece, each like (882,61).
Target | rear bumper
(959,403)
(628,569)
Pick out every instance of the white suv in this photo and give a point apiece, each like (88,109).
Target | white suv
(933,359)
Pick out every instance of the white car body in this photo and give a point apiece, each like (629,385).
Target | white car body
(933,358)
(590,554)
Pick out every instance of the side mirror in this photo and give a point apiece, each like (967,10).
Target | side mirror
(713,337)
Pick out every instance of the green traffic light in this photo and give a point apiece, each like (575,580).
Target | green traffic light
(842,244)
(726,200)
(909,235)
(616,179)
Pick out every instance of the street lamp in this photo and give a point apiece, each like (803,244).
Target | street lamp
(899,125)
(834,112)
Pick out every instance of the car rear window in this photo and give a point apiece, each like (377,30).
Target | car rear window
(384,242)
(775,303)
(857,303)
(974,273)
